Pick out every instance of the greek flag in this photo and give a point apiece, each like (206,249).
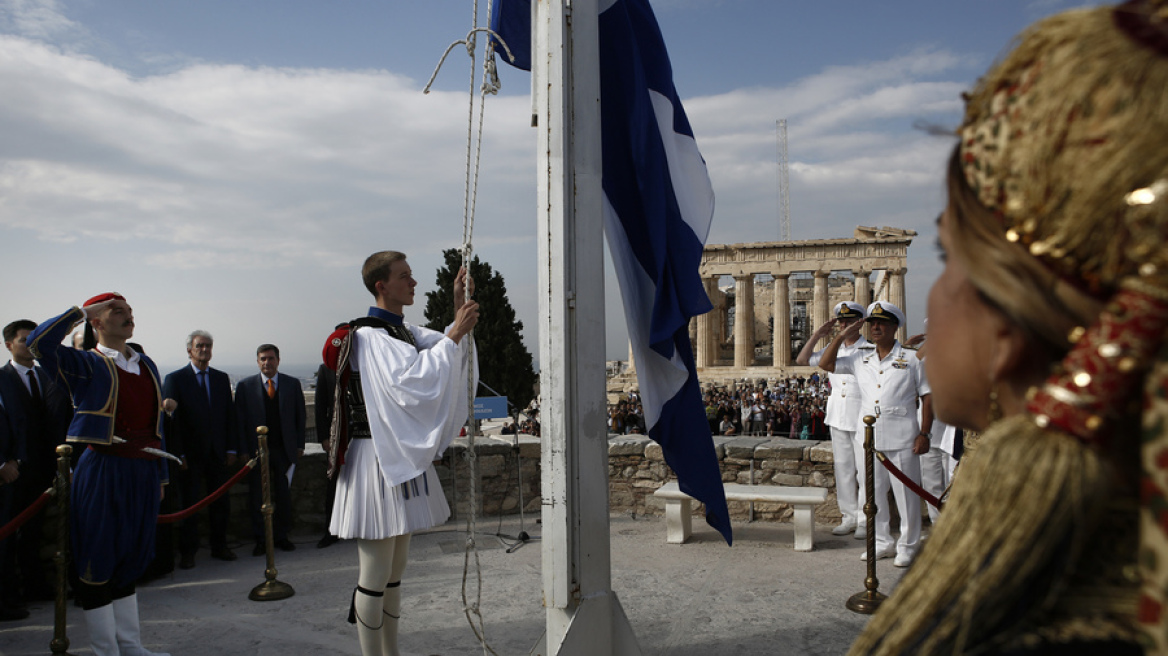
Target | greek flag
(658,205)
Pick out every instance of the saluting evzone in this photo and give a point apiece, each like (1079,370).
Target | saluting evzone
(117,484)
(891,381)
(843,417)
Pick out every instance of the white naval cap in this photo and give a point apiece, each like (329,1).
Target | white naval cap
(886,311)
(848,310)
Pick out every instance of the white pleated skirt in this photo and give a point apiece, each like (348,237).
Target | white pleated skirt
(368,508)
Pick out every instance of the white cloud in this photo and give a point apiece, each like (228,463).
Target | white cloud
(39,19)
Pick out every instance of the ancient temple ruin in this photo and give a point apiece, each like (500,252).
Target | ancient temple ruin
(787,289)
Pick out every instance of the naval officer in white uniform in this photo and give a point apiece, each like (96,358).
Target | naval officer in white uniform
(891,381)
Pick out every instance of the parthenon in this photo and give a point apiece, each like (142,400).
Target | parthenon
(805,279)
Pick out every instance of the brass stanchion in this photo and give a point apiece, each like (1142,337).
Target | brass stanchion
(60,642)
(868,601)
(270,589)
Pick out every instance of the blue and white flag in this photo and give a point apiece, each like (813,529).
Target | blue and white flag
(658,205)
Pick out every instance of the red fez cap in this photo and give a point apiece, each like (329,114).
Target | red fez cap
(332,346)
(104,297)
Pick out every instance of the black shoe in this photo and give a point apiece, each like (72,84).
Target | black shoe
(186,561)
(223,553)
(259,549)
(327,541)
(12,614)
(285,544)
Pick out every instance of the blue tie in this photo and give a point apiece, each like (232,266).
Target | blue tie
(204,384)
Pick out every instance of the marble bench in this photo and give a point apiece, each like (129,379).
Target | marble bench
(678,512)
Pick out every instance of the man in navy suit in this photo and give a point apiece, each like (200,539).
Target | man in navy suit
(206,437)
(39,413)
(275,400)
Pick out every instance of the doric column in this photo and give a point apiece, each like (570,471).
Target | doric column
(744,320)
(707,340)
(863,287)
(897,296)
(781,339)
(819,309)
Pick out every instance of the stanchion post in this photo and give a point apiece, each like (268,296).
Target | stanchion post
(869,600)
(270,589)
(60,641)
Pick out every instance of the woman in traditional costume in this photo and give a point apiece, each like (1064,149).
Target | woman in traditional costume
(1046,332)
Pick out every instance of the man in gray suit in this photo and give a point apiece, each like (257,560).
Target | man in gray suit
(275,400)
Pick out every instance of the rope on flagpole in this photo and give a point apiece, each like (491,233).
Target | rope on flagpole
(474,146)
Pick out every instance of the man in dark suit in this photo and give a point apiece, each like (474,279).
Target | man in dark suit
(39,413)
(10,459)
(206,437)
(275,400)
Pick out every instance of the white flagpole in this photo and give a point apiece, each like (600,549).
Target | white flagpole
(584,616)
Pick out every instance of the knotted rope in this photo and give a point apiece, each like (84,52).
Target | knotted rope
(474,142)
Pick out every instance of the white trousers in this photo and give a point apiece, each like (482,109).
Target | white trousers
(908,504)
(936,472)
(848,456)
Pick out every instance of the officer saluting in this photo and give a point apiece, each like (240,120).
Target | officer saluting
(843,417)
(891,379)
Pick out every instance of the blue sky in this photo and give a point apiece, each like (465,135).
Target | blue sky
(229,165)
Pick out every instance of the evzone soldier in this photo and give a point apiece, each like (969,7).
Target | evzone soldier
(117,483)
(400,400)
(891,380)
(843,417)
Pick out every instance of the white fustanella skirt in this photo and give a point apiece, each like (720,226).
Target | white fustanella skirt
(368,508)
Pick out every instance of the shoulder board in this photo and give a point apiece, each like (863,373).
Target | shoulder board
(867,347)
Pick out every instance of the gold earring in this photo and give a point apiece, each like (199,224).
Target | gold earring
(995,411)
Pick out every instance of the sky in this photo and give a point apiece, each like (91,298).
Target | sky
(229,164)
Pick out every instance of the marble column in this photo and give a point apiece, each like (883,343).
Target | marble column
(744,320)
(707,339)
(863,287)
(781,339)
(819,309)
(897,296)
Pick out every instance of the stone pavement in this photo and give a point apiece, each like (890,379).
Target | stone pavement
(696,599)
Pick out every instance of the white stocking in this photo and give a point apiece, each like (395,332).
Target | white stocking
(392,599)
(374,562)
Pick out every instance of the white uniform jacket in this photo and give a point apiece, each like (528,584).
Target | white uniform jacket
(843,406)
(889,390)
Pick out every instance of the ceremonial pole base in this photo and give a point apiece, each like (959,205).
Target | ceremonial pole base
(272,590)
(865,602)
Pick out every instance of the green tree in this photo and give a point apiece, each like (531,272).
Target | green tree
(504,362)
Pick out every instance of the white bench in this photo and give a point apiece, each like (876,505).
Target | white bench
(679,517)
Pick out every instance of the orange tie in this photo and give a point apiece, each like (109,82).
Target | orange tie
(271,389)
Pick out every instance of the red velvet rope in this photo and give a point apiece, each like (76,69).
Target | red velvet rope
(912,485)
(18,521)
(183,514)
